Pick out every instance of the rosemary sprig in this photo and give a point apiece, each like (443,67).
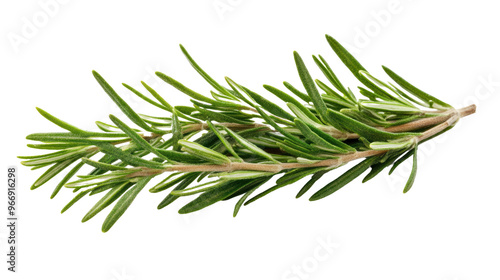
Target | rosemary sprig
(230,144)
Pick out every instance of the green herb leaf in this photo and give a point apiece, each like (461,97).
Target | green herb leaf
(106,200)
(269,106)
(401,160)
(212,196)
(241,175)
(366,131)
(62,124)
(66,178)
(204,153)
(315,138)
(223,140)
(182,185)
(145,98)
(131,114)
(158,97)
(102,165)
(124,203)
(330,75)
(205,76)
(245,143)
(315,177)
(126,157)
(310,87)
(176,131)
(297,92)
(391,145)
(51,172)
(136,137)
(413,173)
(427,98)
(344,179)
(79,196)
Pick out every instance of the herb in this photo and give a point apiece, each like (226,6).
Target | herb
(230,144)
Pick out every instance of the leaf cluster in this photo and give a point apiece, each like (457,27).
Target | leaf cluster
(229,144)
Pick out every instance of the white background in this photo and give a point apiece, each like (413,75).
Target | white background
(445,228)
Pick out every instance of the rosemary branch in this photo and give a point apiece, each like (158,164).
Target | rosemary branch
(449,118)
(230,144)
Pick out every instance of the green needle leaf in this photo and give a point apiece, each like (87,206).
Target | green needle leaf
(219,117)
(427,98)
(346,57)
(52,171)
(123,204)
(310,87)
(354,66)
(205,76)
(223,140)
(270,121)
(90,180)
(79,196)
(106,200)
(366,131)
(184,184)
(241,175)
(56,146)
(401,160)
(413,173)
(344,179)
(298,153)
(297,92)
(62,124)
(245,143)
(66,178)
(198,188)
(315,177)
(388,106)
(376,168)
(182,88)
(269,106)
(304,116)
(331,139)
(204,153)
(136,137)
(288,99)
(214,195)
(296,174)
(391,145)
(55,157)
(158,97)
(102,165)
(315,138)
(176,131)
(168,182)
(145,98)
(131,114)
(128,158)
(330,75)
(242,200)
(179,156)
